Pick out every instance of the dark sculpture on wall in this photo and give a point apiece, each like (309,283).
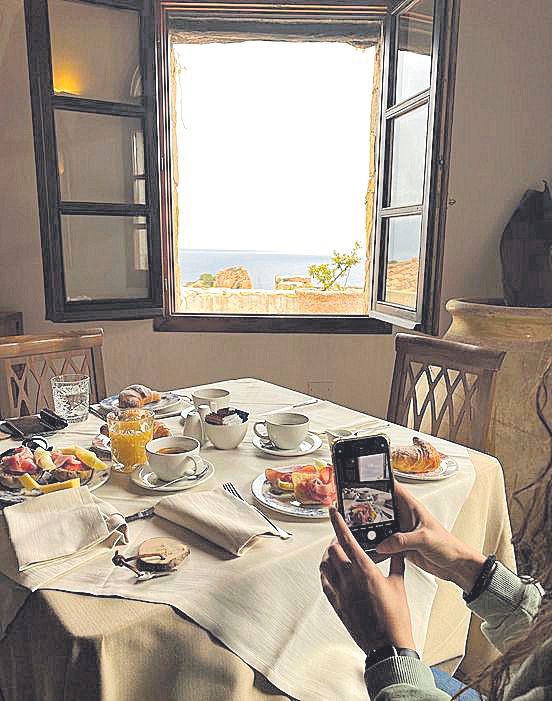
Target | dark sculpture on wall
(526,252)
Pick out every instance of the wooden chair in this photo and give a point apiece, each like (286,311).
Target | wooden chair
(27,364)
(444,388)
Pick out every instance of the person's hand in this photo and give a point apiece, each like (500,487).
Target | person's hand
(426,543)
(371,606)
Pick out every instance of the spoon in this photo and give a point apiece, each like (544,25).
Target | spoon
(191,478)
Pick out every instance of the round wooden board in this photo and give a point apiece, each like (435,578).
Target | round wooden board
(169,553)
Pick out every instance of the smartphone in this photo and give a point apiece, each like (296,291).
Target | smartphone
(365,488)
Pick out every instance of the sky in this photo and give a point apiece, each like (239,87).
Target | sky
(273,145)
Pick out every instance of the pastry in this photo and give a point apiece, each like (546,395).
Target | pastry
(420,457)
(136,396)
(160,430)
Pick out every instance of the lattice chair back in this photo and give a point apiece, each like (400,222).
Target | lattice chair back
(27,364)
(444,388)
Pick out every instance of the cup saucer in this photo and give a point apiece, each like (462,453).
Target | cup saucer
(146,478)
(311,443)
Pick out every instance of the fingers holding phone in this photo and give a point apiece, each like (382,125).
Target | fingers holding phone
(426,543)
(373,608)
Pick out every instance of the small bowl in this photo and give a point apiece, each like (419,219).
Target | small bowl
(226,437)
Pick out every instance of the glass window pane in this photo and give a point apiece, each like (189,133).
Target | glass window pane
(95,51)
(256,229)
(104,257)
(97,157)
(403,259)
(414,51)
(408,158)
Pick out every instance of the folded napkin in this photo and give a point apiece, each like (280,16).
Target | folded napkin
(216,516)
(55,526)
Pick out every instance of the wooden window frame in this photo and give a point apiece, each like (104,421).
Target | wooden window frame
(246,323)
(44,102)
(158,207)
(439,97)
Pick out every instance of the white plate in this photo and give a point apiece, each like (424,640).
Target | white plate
(168,401)
(448,467)
(146,478)
(285,503)
(311,443)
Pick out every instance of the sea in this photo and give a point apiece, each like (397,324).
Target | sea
(261,266)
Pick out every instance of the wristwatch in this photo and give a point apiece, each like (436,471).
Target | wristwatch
(387,651)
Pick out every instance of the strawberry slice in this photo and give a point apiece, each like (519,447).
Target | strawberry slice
(325,475)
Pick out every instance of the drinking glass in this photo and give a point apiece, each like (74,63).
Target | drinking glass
(71,395)
(129,431)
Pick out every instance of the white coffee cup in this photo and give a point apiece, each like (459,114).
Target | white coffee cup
(214,397)
(286,430)
(171,466)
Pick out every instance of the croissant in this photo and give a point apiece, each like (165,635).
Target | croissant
(136,396)
(420,457)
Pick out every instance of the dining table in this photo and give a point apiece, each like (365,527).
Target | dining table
(66,642)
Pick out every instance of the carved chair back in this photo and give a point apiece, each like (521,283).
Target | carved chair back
(27,364)
(444,388)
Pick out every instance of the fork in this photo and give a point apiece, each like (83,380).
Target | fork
(229,487)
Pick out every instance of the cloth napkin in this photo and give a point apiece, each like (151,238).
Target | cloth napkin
(54,526)
(218,517)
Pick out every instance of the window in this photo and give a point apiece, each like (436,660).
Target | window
(414,153)
(294,186)
(94,121)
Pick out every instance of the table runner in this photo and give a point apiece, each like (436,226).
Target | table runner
(294,627)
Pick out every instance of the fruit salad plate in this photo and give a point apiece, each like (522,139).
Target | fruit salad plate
(301,491)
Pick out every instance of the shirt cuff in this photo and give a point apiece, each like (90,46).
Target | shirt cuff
(502,596)
(398,670)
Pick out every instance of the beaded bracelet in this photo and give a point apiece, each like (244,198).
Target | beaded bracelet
(483,580)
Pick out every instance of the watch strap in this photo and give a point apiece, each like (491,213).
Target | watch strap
(483,580)
(383,653)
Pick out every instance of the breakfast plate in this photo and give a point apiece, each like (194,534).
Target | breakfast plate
(447,468)
(311,443)
(146,478)
(99,477)
(285,503)
(168,402)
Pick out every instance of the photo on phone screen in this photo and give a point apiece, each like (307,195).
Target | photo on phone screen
(365,488)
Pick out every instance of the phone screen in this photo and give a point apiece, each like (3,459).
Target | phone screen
(365,489)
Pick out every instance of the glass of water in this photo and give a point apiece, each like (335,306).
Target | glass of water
(71,397)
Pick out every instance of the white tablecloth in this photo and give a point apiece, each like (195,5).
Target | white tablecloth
(267,606)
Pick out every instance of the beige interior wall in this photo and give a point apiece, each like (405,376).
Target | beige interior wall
(500,146)
(501,142)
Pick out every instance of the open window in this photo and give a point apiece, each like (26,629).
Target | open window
(91,69)
(290,175)
(416,116)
